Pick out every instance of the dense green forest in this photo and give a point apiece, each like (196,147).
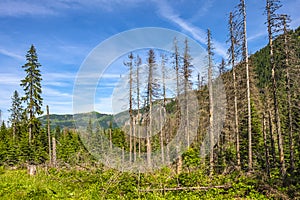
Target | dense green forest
(256,156)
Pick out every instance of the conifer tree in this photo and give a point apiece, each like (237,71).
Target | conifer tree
(33,90)
(16,113)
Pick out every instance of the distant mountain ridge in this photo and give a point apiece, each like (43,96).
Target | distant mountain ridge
(68,121)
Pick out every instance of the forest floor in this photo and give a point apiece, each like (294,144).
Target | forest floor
(110,184)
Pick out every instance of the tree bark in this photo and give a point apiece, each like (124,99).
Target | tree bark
(211,105)
(246,60)
(54,162)
(266,145)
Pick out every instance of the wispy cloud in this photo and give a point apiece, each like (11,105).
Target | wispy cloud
(257,35)
(17,8)
(206,5)
(9,53)
(166,11)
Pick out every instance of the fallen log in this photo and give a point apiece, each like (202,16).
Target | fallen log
(187,188)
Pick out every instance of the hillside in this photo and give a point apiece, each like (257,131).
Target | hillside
(67,120)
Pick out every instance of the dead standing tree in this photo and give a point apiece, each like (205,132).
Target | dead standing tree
(273,24)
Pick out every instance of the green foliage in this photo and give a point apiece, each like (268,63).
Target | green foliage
(110,184)
(67,121)
(32,83)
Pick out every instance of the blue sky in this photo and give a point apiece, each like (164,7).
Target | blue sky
(65,31)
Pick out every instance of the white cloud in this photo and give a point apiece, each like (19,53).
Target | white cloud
(19,8)
(10,79)
(257,35)
(9,53)
(206,5)
(167,12)
(48,7)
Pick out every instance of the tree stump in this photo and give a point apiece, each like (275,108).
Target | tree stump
(31,170)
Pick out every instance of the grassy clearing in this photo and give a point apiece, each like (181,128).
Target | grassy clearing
(109,184)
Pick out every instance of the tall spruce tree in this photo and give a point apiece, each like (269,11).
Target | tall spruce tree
(33,90)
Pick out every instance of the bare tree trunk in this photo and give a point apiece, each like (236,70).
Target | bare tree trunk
(14,131)
(236,117)
(49,135)
(211,105)
(179,165)
(265,145)
(123,156)
(54,162)
(29,133)
(149,134)
(150,94)
(176,54)
(271,135)
(134,138)
(138,63)
(131,133)
(274,88)
(246,60)
(177,57)
(163,107)
(187,74)
(110,138)
(31,169)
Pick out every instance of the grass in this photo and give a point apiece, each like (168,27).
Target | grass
(107,184)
